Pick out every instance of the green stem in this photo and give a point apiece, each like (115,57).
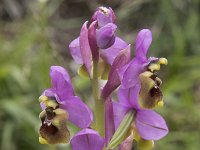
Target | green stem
(99,104)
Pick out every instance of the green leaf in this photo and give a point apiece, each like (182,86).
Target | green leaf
(122,130)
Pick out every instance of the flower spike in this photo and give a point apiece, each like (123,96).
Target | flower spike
(123,115)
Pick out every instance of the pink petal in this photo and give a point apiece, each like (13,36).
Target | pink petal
(74,48)
(131,74)
(87,139)
(61,83)
(106,36)
(120,111)
(111,53)
(85,47)
(150,125)
(113,78)
(79,113)
(92,41)
(142,43)
(129,96)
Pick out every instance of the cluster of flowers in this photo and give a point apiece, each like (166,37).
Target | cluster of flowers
(104,56)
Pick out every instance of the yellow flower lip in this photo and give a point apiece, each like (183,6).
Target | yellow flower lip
(48,102)
(42,140)
(163,61)
(160,103)
(53,129)
(154,67)
(43,98)
(51,103)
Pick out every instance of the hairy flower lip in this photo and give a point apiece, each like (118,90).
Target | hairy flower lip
(150,93)
(50,113)
(54,126)
(155,91)
(47,127)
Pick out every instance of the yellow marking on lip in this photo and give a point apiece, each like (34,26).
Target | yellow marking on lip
(42,140)
(147,74)
(145,144)
(60,115)
(163,61)
(154,67)
(51,103)
(43,98)
(160,103)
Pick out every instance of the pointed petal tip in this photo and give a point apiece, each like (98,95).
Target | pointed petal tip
(61,83)
(142,44)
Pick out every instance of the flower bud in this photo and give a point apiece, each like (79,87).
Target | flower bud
(150,94)
(93,41)
(103,16)
(106,36)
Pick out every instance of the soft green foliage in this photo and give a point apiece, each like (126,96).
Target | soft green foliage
(30,45)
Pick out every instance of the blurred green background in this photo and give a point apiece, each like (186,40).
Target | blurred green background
(35,35)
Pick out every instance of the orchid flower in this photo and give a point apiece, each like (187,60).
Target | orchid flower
(149,124)
(59,103)
(140,90)
(142,70)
